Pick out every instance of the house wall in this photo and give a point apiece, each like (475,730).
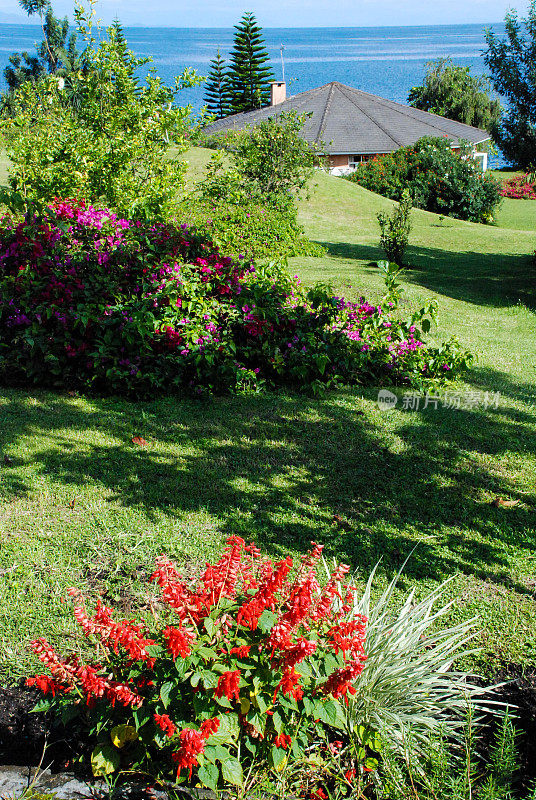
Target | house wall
(338,164)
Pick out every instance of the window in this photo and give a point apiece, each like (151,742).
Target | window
(354,161)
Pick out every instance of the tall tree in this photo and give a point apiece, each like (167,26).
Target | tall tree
(248,74)
(217,89)
(55,55)
(453,92)
(512,61)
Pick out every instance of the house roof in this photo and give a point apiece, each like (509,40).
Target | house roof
(347,120)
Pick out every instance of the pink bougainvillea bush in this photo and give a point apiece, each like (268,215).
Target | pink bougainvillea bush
(520,187)
(245,670)
(94,302)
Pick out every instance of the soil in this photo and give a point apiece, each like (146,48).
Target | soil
(24,735)
(519,693)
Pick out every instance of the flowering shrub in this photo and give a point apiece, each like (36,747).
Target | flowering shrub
(520,187)
(438,179)
(90,300)
(246,670)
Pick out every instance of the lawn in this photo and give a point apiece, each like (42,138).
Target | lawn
(81,504)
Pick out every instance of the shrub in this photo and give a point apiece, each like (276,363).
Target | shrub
(520,187)
(93,301)
(438,179)
(395,230)
(254,230)
(239,674)
(112,146)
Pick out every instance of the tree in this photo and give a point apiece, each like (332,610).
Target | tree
(453,92)
(55,55)
(114,147)
(513,73)
(249,77)
(217,90)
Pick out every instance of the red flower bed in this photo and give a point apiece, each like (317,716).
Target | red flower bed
(520,187)
(246,667)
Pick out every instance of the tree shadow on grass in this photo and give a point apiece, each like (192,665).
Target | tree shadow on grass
(492,279)
(285,470)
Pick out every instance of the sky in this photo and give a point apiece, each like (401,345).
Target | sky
(290,13)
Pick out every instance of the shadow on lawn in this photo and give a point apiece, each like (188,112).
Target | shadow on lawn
(279,468)
(492,279)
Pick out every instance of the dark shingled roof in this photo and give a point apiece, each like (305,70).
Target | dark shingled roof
(349,121)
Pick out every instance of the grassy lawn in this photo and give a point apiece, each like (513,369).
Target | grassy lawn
(81,505)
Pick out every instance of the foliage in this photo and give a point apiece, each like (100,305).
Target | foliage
(274,158)
(456,769)
(451,91)
(249,199)
(520,187)
(249,228)
(217,89)
(249,75)
(438,179)
(94,301)
(409,690)
(242,671)
(55,55)
(395,230)
(511,61)
(113,148)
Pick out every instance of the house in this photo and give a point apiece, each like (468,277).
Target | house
(353,126)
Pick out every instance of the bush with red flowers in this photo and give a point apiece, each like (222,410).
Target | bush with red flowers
(438,178)
(520,187)
(94,302)
(239,674)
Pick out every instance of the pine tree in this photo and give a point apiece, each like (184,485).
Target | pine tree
(217,92)
(249,77)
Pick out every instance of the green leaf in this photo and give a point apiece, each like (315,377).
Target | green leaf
(209,626)
(232,771)
(267,621)
(279,757)
(104,760)
(208,775)
(278,721)
(165,692)
(42,706)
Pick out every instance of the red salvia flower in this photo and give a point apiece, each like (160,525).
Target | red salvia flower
(209,727)
(265,597)
(228,684)
(178,641)
(240,652)
(166,724)
(192,744)
(283,740)
(45,683)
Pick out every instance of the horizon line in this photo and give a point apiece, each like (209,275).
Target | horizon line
(279,27)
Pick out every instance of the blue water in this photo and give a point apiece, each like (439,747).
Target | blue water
(383,61)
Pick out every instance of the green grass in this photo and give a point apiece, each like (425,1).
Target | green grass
(81,505)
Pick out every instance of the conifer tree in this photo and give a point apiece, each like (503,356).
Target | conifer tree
(217,91)
(248,74)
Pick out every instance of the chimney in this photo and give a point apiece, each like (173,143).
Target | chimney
(278,93)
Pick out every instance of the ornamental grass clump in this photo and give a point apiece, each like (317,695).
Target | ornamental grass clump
(95,302)
(239,677)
